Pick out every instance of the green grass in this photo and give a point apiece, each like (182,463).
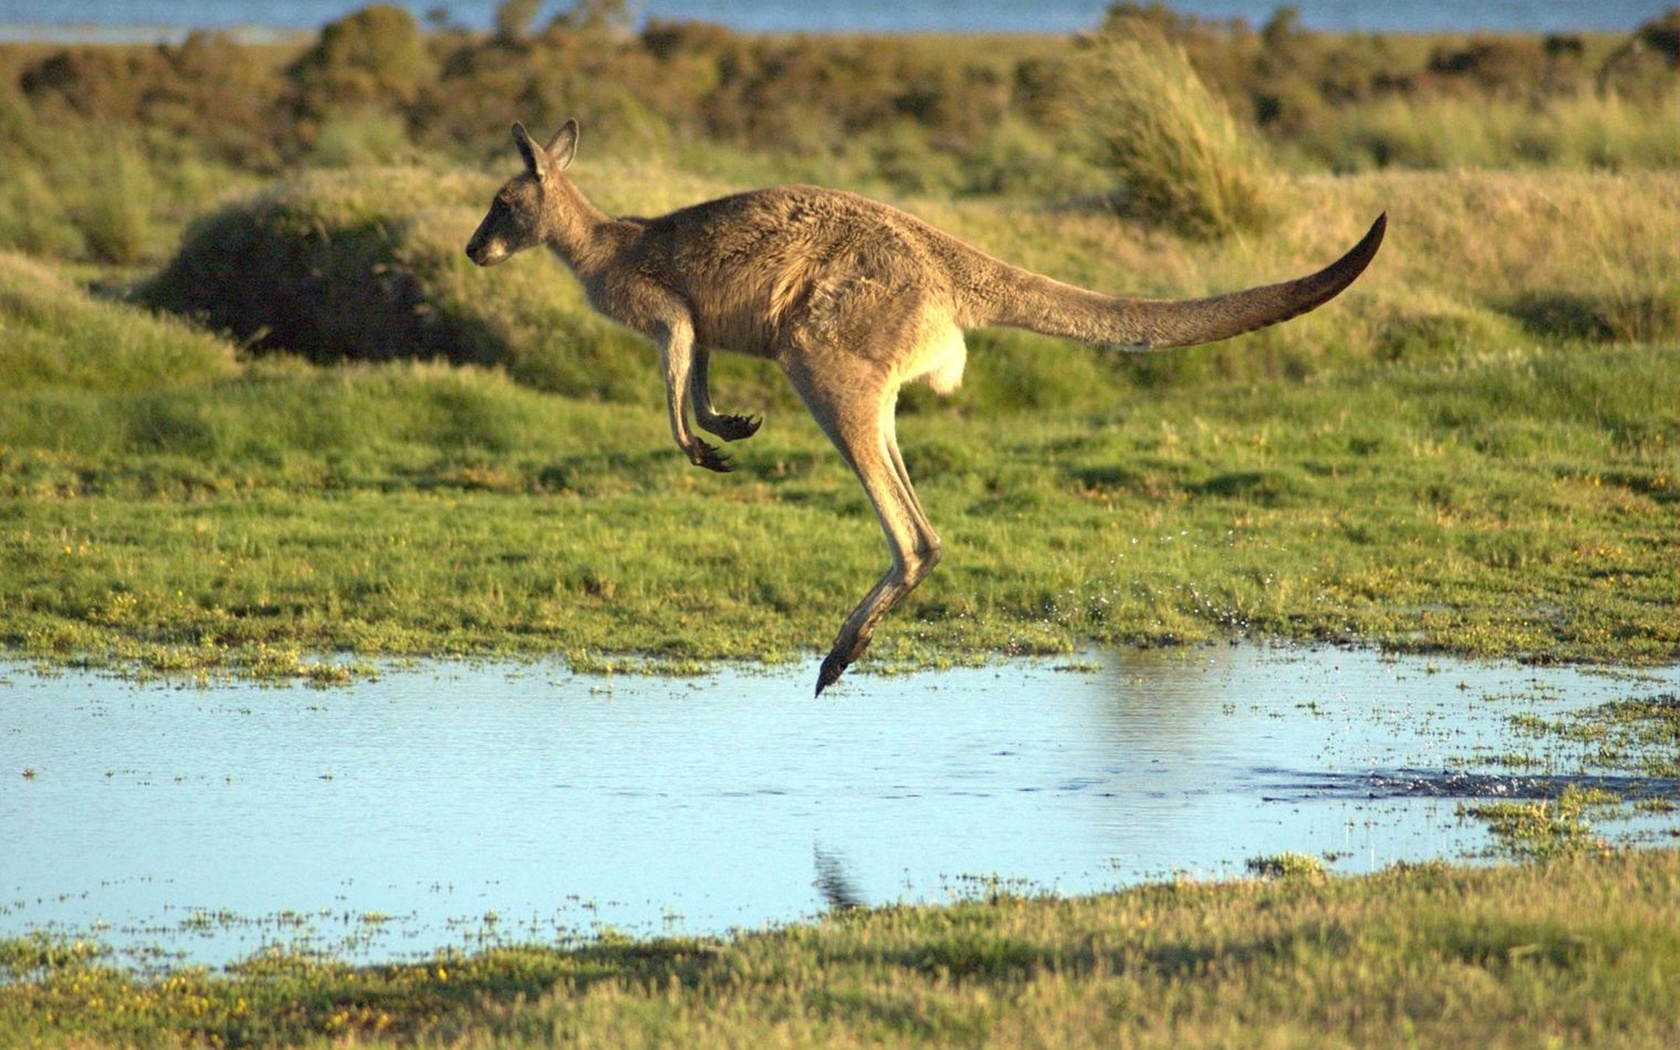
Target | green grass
(1576,951)
(1584,132)
(1547,827)
(1434,462)
(1520,504)
(1476,450)
(59,339)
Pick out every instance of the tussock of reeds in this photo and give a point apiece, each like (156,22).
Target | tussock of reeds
(1180,158)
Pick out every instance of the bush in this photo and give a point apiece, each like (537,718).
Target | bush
(1181,158)
(319,266)
(375,56)
(367,265)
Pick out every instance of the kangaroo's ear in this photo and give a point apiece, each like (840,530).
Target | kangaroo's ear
(563,146)
(528,148)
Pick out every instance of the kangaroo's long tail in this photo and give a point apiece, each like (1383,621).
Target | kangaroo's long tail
(1044,305)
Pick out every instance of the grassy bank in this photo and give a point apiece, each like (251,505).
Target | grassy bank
(1574,952)
(108,149)
(1518,504)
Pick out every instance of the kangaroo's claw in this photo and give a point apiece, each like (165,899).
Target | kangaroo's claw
(704,455)
(736,428)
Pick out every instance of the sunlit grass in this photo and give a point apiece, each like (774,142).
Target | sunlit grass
(1475,450)
(1587,131)
(1511,505)
(58,339)
(1580,950)
(1180,157)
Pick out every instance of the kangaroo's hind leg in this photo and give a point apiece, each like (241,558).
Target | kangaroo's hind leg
(855,409)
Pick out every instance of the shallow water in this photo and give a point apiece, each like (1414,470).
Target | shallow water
(451,804)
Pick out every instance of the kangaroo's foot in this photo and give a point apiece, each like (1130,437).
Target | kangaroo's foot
(703,455)
(733,428)
(836,662)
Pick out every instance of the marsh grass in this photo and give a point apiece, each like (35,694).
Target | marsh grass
(1547,827)
(1578,950)
(1583,132)
(1513,506)
(1181,158)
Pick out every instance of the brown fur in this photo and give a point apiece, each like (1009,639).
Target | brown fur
(853,299)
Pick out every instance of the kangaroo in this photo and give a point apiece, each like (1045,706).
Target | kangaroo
(853,299)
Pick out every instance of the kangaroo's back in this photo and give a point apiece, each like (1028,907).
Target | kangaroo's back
(814,255)
(807,264)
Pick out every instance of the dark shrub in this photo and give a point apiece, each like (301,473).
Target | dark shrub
(376,56)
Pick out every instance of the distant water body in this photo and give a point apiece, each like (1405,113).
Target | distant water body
(161,19)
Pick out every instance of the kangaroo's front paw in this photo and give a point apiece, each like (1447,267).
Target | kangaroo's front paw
(703,455)
(736,428)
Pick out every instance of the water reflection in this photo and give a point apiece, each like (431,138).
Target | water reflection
(437,805)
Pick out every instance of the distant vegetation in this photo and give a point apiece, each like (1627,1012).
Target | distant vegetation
(108,148)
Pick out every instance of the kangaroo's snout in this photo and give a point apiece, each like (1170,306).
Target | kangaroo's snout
(485,250)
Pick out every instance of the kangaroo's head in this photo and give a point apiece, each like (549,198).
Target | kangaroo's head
(517,218)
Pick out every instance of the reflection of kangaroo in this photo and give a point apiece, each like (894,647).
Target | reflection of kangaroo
(853,299)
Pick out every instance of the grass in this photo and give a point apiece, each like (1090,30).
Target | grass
(1518,505)
(1584,132)
(1638,736)
(1578,950)
(60,339)
(1547,827)
(110,194)
(1181,158)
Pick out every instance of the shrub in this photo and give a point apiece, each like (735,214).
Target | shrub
(317,266)
(1181,158)
(366,265)
(208,90)
(375,56)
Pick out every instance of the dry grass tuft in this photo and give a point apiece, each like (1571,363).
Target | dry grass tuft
(1182,159)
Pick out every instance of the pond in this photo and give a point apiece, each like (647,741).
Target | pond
(451,805)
